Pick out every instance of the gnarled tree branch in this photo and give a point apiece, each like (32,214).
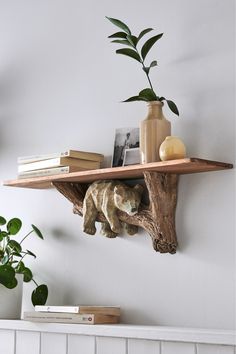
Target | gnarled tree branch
(158,219)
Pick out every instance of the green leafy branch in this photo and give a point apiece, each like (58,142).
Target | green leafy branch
(12,256)
(126,38)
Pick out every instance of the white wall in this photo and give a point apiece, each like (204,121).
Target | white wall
(60,87)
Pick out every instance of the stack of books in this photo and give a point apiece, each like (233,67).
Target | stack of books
(58,163)
(74,314)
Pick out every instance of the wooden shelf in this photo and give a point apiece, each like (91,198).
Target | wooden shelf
(161,179)
(181,166)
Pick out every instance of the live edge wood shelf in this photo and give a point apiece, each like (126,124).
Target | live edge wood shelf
(161,178)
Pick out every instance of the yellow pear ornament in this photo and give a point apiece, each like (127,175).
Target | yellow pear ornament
(172,148)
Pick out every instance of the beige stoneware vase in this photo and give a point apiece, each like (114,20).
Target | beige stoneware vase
(153,131)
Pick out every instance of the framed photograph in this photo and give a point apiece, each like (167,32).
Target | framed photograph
(125,139)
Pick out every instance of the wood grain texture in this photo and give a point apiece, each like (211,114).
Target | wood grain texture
(180,166)
(157,218)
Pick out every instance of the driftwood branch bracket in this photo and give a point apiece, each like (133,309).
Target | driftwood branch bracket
(157,218)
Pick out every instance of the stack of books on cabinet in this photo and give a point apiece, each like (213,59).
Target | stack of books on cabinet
(58,163)
(74,314)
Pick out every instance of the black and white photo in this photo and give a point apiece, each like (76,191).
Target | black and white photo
(125,138)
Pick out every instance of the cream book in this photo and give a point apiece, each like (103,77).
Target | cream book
(105,310)
(69,318)
(83,155)
(57,162)
(50,171)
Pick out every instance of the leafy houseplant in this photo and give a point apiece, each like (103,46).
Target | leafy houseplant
(131,43)
(12,256)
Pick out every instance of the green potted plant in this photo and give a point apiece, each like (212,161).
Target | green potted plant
(155,120)
(13,270)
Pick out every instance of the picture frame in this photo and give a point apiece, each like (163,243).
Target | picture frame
(125,139)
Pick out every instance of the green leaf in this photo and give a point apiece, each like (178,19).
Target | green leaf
(132,40)
(122,41)
(153,63)
(15,246)
(16,254)
(20,267)
(3,234)
(27,275)
(119,24)
(133,98)
(7,273)
(31,253)
(2,220)
(130,53)
(148,94)
(39,295)
(118,35)
(145,31)
(147,68)
(37,231)
(14,226)
(173,107)
(11,284)
(148,45)
(162,98)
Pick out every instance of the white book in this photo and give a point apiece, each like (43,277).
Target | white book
(58,162)
(60,309)
(49,171)
(69,318)
(105,310)
(84,155)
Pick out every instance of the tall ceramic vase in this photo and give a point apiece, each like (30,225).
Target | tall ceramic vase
(153,131)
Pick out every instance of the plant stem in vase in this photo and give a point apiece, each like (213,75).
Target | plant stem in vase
(155,128)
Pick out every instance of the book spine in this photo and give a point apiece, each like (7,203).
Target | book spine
(81,319)
(83,155)
(45,172)
(28,159)
(60,309)
(39,165)
(58,162)
(69,317)
(96,310)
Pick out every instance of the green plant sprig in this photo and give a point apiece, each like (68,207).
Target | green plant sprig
(126,38)
(11,259)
